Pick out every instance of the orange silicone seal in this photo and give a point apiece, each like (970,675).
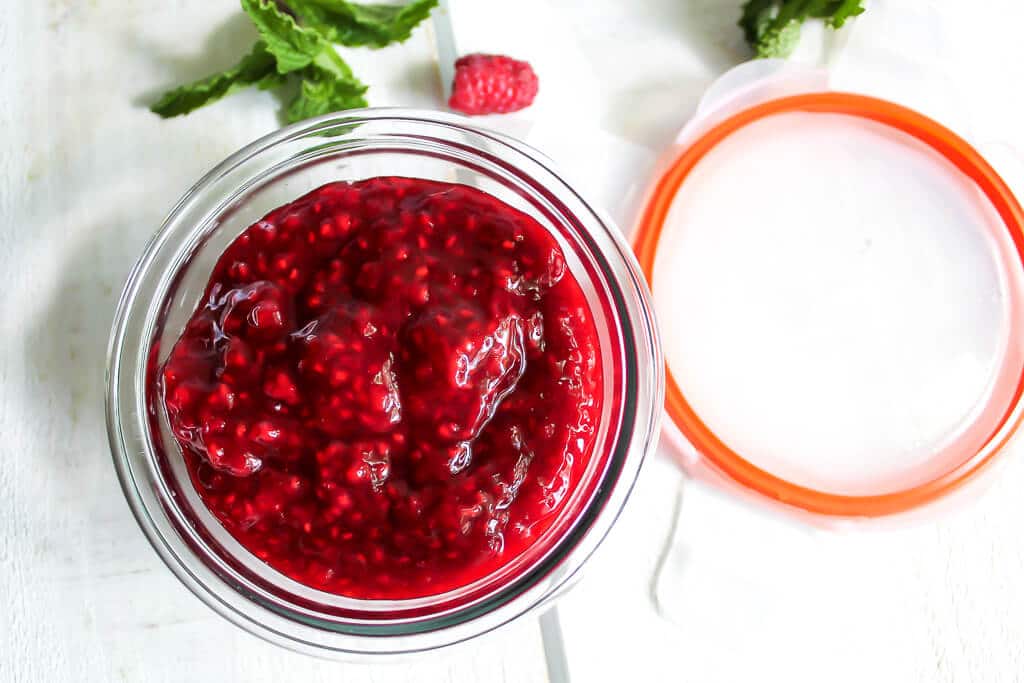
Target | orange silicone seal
(996,422)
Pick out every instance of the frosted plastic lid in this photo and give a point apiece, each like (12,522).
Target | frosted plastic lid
(838,281)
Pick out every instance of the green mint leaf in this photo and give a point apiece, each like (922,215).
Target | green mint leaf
(328,85)
(356,24)
(779,40)
(772,27)
(322,93)
(257,68)
(329,62)
(757,17)
(847,9)
(820,9)
(272,80)
(294,47)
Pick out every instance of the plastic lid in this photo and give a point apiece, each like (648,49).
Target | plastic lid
(838,281)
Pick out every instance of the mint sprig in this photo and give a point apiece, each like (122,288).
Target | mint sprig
(772,27)
(296,43)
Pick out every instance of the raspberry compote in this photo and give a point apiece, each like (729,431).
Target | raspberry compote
(390,387)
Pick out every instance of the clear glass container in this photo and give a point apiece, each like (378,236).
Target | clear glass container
(170,277)
(840,280)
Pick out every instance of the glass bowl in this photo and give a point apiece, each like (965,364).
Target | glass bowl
(169,279)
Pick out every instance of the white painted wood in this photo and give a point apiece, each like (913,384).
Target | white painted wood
(86,175)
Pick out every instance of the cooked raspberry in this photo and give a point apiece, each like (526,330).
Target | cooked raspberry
(347,354)
(233,456)
(258,310)
(459,365)
(492,84)
(389,388)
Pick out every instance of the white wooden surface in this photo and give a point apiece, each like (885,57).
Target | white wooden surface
(689,587)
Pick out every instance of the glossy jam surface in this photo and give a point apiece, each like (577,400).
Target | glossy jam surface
(390,387)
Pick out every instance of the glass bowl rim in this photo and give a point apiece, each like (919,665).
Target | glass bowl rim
(632,303)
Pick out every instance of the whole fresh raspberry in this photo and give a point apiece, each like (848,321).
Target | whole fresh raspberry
(492,84)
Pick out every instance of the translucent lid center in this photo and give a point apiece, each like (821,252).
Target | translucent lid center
(831,301)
